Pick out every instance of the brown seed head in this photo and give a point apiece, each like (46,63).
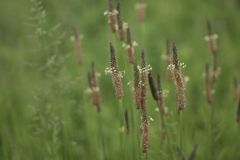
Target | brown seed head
(208,85)
(137,88)
(77,44)
(179,80)
(152,86)
(111,16)
(175,57)
(120,22)
(113,61)
(116,76)
(144,132)
(127,122)
(209,27)
(141,10)
(212,40)
(130,49)
(144,82)
(93,85)
(235,89)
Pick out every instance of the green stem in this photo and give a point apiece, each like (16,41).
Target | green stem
(101,138)
(121,118)
(181,132)
(164,127)
(236,153)
(211,133)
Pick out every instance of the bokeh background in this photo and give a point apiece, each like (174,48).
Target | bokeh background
(45,111)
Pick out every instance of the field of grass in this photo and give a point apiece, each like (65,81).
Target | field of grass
(45,104)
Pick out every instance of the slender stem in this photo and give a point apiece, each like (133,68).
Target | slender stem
(164,127)
(121,118)
(181,132)
(211,132)
(101,138)
(238,143)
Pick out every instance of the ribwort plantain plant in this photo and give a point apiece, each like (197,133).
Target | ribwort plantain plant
(77,42)
(144,125)
(116,75)
(121,32)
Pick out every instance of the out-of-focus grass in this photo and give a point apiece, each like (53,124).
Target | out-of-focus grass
(56,97)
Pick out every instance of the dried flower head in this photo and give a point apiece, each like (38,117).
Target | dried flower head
(179,79)
(140,7)
(144,127)
(94,88)
(111,16)
(235,89)
(137,88)
(144,82)
(116,75)
(208,85)
(211,38)
(120,22)
(77,44)
(152,86)
(127,122)
(130,48)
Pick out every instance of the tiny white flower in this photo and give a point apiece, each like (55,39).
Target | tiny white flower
(213,37)
(171,67)
(72,38)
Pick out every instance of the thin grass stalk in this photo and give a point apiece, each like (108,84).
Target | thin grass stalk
(101,138)
(211,132)
(237,154)
(181,131)
(122,128)
(160,95)
(183,157)
(238,113)
(77,46)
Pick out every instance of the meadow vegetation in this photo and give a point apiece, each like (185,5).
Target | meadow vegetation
(72,89)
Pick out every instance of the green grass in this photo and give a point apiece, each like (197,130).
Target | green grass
(45,112)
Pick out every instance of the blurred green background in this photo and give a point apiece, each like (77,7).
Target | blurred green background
(45,112)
